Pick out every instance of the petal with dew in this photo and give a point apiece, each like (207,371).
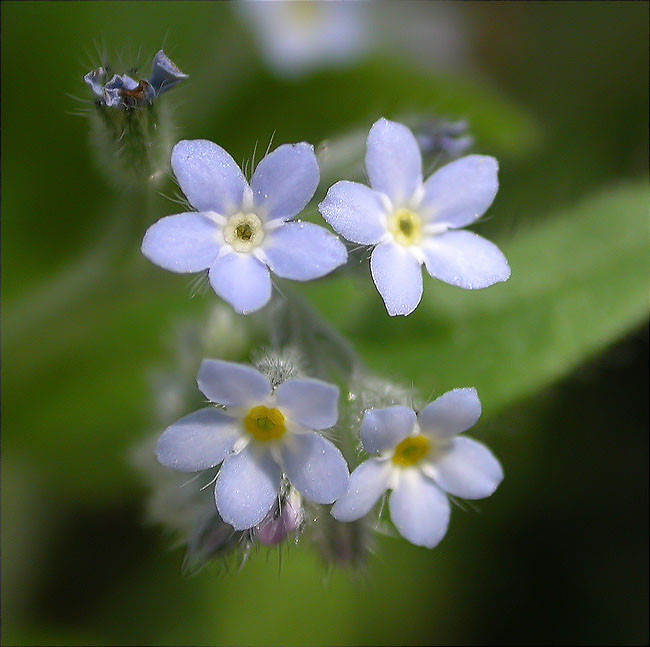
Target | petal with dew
(367,483)
(187,242)
(198,441)
(398,277)
(468,469)
(461,192)
(241,280)
(465,259)
(393,161)
(285,181)
(311,403)
(208,176)
(232,384)
(355,211)
(247,487)
(419,509)
(316,468)
(303,251)
(383,429)
(452,413)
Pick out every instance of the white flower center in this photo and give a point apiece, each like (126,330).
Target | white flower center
(243,232)
(406,227)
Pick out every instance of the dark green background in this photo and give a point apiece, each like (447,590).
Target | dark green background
(559,93)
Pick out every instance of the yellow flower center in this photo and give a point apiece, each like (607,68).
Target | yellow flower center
(243,232)
(405,225)
(411,451)
(265,424)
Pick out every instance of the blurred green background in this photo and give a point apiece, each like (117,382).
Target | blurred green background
(558,92)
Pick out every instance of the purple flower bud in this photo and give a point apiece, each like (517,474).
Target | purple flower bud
(276,527)
(448,137)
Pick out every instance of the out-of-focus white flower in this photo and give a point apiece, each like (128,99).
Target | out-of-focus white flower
(261,435)
(421,458)
(412,222)
(296,36)
(240,232)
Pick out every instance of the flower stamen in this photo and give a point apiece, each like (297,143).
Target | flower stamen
(243,232)
(411,451)
(265,424)
(406,227)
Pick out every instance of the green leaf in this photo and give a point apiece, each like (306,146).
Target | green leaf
(579,282)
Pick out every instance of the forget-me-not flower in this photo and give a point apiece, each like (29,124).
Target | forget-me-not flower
(412,222)
(261,434)
(421,459)
(240,232)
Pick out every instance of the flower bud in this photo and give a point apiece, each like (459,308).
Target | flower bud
(281,522)
(132,134)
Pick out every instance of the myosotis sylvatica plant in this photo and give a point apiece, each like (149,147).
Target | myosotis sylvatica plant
(302,442)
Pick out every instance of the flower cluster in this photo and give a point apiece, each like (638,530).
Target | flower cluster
(269,441)
(269,429)
(240,231)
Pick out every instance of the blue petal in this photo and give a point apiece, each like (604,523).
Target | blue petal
(383,429)
(186,242)
(393,161)
(285,181)
(94,80)
(164,73)
(303,251)
(232,384)
(208,176)
(355,211)
(247,488)
(197,441)
(452,413)
(367,483)
(311,403)
(465,259)
(461,192)
(419,509)
(316,468)
(242,281)
(398,277)
(468,469)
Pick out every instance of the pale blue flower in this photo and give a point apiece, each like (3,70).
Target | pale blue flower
(240,232)
(259,435)
(412,222)
(421,458)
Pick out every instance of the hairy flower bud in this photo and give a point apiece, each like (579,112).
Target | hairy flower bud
(131,131)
